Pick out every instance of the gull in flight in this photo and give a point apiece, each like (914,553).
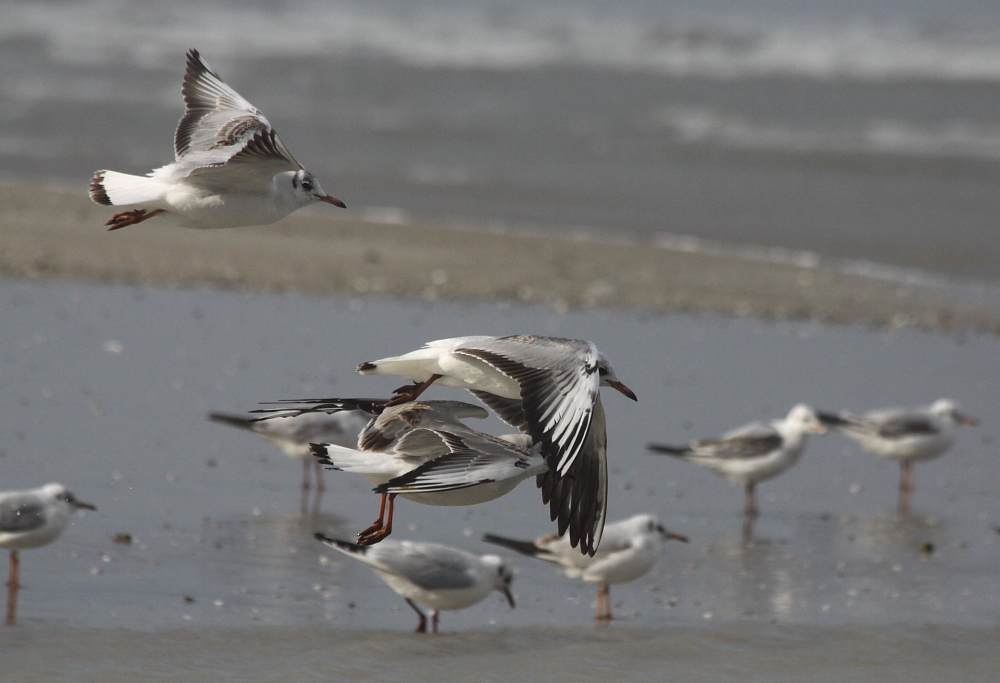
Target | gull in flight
(548,388)
(629,549)
(908,435)
(423,452)
(430,574)
(230,167)
(293,434)
(752,453)
(31,519)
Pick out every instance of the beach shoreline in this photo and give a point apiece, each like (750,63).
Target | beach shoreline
(56,234)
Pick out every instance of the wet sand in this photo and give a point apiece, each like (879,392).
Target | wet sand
(107,387)
(59,234)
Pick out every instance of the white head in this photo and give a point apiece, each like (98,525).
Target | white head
(58,492)
(949,410)
(609,379)
(502,576)
(648,524)
(304,189)
(802,418)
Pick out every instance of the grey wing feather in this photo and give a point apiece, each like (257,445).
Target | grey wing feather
(431,567)
(21,513)
(738,447)
(507,409)
(906,425)
(220,128)
(471,459)
(559,391)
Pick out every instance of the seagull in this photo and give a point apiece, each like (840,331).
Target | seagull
(908,435)
(433,575)
(548,388)
(31,519)
(628,551)
(422,451)
(752,453)
(231,169)
(293,434)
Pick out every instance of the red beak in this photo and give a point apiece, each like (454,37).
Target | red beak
(623,389)
(333,200)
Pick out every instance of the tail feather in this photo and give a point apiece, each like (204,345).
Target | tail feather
(524,547)
(832,419)
(111,188)
(343,546)
(231,420)
(344,459)
(678,451)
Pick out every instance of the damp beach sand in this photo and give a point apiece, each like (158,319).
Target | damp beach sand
(200,564)
(58,234)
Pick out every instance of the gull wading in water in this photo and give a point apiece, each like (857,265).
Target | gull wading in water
(431,574)
(548,388)
(293,434)
(31,519)
(753,453)
(231,168)
(908,435)
(422,451)
(629,549)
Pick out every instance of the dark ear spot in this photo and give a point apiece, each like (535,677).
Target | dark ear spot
(295,181)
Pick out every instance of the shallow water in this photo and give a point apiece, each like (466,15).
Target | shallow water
(106,389)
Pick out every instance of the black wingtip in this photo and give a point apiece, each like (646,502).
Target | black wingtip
(830,419)
(666,448)
(98,194)
(524,547)
(321,454)
(232,420)
(337,543)
(366,367)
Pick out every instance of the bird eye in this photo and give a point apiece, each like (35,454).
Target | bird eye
(602,371)
(307,185)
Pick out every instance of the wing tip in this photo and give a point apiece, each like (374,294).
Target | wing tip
(98,193)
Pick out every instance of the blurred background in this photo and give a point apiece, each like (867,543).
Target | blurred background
(857,131)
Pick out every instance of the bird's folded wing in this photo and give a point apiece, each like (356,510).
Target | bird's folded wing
(468,462)
(430,566)
(21,513)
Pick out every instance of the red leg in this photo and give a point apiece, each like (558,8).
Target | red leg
(15,566)
(434,621)
(121,220)
(12,586)
(751,503)
(320,484)
(371,535)
(305,475)
(410,392)
(422,626)
(905,485)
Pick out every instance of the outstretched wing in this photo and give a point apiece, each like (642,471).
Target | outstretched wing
(559,383)
(220,128)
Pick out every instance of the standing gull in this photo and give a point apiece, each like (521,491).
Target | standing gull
(548,388)
(231,169)
(293,434)
(752,453)
(30,519)
(422,451)
(431,574)
(908,435)
(629,549)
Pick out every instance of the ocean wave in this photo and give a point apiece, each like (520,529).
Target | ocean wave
(628,37)
(955,138)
